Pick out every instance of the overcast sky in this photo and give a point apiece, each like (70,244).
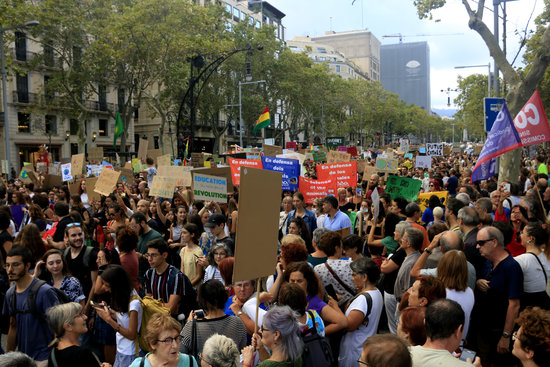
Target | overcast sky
(386,17)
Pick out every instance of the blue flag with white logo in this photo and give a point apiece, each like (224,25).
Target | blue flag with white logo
(502,138)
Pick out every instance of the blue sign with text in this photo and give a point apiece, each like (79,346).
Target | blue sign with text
(290,168)
(491,108)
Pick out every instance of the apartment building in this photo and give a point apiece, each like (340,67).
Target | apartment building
(37,116)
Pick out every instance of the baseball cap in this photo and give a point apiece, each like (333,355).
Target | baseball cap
(215,220)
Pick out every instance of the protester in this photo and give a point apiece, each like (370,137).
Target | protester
(219,350)
(532,340)
(385,350)
(411,325)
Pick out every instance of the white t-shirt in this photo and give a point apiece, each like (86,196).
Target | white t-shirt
(249,309)
(466,300)
(123,345)
(352,342)
(533,276)
(321,221)
(212,272)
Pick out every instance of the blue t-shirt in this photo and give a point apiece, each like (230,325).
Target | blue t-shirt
(183,362)
(33,335)
(452,185)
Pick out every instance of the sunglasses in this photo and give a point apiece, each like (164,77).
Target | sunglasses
(72,225)
(483,242)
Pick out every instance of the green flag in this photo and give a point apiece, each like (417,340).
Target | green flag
(119,128)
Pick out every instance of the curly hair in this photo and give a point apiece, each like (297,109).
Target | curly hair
(293,252)
(535,335)
(308,273)
(126,239)
(158,323)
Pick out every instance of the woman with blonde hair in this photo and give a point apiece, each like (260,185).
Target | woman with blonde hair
(452,270)
(163,336)
(67,323)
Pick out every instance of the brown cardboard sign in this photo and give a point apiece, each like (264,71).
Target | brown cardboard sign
(154,153)
(253,258)
(34,178)
(142,151)
(197,160)
(220,172)
(180,173)
(90,186)
(163,187)
(337,157)
(106,182)
(272,150)
(164,160)
(361,164)
(51,181)
(367,172)
(95,154)
(126,176)
(77,165)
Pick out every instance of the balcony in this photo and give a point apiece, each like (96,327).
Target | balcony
(46,60)
(101,107)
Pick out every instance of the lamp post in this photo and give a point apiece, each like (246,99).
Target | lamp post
(488,66)
(4,86)
(192,98)
(323,117)
(241,108)
(448,91)
(171,117)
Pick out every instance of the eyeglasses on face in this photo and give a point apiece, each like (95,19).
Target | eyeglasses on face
(361,363)
(481,243)
(169,340)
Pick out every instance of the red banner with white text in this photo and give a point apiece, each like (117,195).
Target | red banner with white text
(316,189)
(531,122)
(344,173)
(235,165)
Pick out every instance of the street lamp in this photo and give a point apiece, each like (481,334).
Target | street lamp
(488,74)
(241,108)
(323,117)
(448,91)
(4,87)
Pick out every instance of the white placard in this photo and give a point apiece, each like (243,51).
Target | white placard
(66,172)
(423,161)
(434,149)
(210,188)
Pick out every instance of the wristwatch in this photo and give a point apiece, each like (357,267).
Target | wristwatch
(239,313)
(427,251)
(505,335)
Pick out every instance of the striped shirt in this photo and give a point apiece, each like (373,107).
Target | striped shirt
(162,286)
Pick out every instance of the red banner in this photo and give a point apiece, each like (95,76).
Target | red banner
(292,145)
(531,122)
(235,165)
(353,151)
(344,173)
(316,189)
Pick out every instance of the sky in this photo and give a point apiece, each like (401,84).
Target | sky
(452,43)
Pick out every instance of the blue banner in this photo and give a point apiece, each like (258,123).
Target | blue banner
(502,138)
(290,168)
(491,107)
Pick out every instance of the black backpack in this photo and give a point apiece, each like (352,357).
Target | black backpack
(317,350)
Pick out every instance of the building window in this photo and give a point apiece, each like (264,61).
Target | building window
(48,90)
(102,98)
(236,14)
(51,124)
(251,21)
(103,127)
(77,57)
(23,122)
(121,99)
(73,126)
(228,26)
(258,24)
(74,148)
(243,16)
(322,58)
(321,50)
(20,46)
(156,142)
(337,68)
(228,8)
(22,82)
(48,54)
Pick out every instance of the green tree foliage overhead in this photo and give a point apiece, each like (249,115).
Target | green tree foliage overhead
(470,114)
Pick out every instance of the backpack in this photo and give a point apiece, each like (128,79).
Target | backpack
(188,300)
(150,306)
(317,350)
(87,255)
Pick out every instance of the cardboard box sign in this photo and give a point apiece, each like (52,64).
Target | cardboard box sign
(181,173)
(77,164)
(51,181)
(106,182)
(142,151)
(337,157)
(154,153)
(163,187)
(164,160)
(218,172)
(197,160)
(126,176)
(95,154)
(272,150)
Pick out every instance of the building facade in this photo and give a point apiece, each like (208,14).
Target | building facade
(405,71)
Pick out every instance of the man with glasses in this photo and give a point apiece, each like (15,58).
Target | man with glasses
(28,331)
(163,281)
(243,305)
(498,291)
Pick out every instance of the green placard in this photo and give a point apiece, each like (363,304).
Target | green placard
(403,187)
(319,156)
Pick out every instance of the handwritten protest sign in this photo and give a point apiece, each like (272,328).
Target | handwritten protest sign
(218,172)
(163,187)
(272,150)
(292,145)
(66,172)
(164,160)
(106,182)
(290,168)
(181,173)
(236,164)
(423,161)
(154,153)
(344,174)
(77,164)
(423,199)
(404,145)
(126,176)
(389,165)
(316,189)
(254,258)
(209,188)
(403,187)
(95,154)
(319,156)
(337,157)
(434,149)
(142,151)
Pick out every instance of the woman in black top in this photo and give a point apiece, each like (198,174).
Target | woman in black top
(67,323)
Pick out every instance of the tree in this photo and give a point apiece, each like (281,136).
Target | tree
(521,84)
(472,90)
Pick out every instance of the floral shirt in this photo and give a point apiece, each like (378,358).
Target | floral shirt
(72,288)
(319,325)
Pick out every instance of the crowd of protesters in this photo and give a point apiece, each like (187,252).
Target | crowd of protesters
(384,280)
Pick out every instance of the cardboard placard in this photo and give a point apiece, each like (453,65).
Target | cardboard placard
(210,188)
(77,165)
(236,164)
(181,173)
(434,149)
(337,157)
(33,176)
(163,187)
(219,172)
(142,151)
(446,150)
(154,153)
(423,161)
(164,160)
(51,181)
(404,187)
(344,174)
(423,199)
(369,171)
(42,167)
(95,154)
(389,165)
(316,189)
(253,258)
(66,172)
(106,182)
(5,168)
(126,176)
(361,164)
(272,150)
